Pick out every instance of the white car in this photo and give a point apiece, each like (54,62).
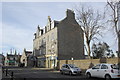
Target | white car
(104,70)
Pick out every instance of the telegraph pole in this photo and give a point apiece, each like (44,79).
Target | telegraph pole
(119,34)
(119,48)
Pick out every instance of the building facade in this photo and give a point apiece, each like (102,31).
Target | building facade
(12,60)
(59,40)
(27,59)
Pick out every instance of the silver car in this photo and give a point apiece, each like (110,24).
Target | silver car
(70,69)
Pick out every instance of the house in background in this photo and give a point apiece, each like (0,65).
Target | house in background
(58,40)
(27,59)
(12,60)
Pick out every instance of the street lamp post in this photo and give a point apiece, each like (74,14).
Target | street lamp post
(72,57)
(72,60)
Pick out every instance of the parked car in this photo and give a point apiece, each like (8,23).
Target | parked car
(106,71)
(70,69)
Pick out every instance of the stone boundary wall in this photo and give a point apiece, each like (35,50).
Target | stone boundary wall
(86,63)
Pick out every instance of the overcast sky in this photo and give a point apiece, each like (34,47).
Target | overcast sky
(20,21)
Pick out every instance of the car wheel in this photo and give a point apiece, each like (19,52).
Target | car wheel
(80,73)
(61,72)
(107,77)
(88,75)
(70,73)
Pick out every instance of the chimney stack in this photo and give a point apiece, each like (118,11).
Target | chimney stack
(41,31)
(70,14)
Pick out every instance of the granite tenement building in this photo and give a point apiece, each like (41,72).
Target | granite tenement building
(58,40)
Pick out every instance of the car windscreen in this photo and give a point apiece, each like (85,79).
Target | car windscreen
(73,66)
(114,66)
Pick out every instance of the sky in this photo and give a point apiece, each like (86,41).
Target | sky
(19,21)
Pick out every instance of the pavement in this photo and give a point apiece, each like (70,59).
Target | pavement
(4,75)
(34,69)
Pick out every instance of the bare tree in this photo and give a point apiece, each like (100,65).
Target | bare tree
(90,22)
(113,5)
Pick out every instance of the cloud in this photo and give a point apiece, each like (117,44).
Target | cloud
(20,21)
(16,37)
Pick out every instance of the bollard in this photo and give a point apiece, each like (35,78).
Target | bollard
(6,71)
(12,75)
(2,70)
